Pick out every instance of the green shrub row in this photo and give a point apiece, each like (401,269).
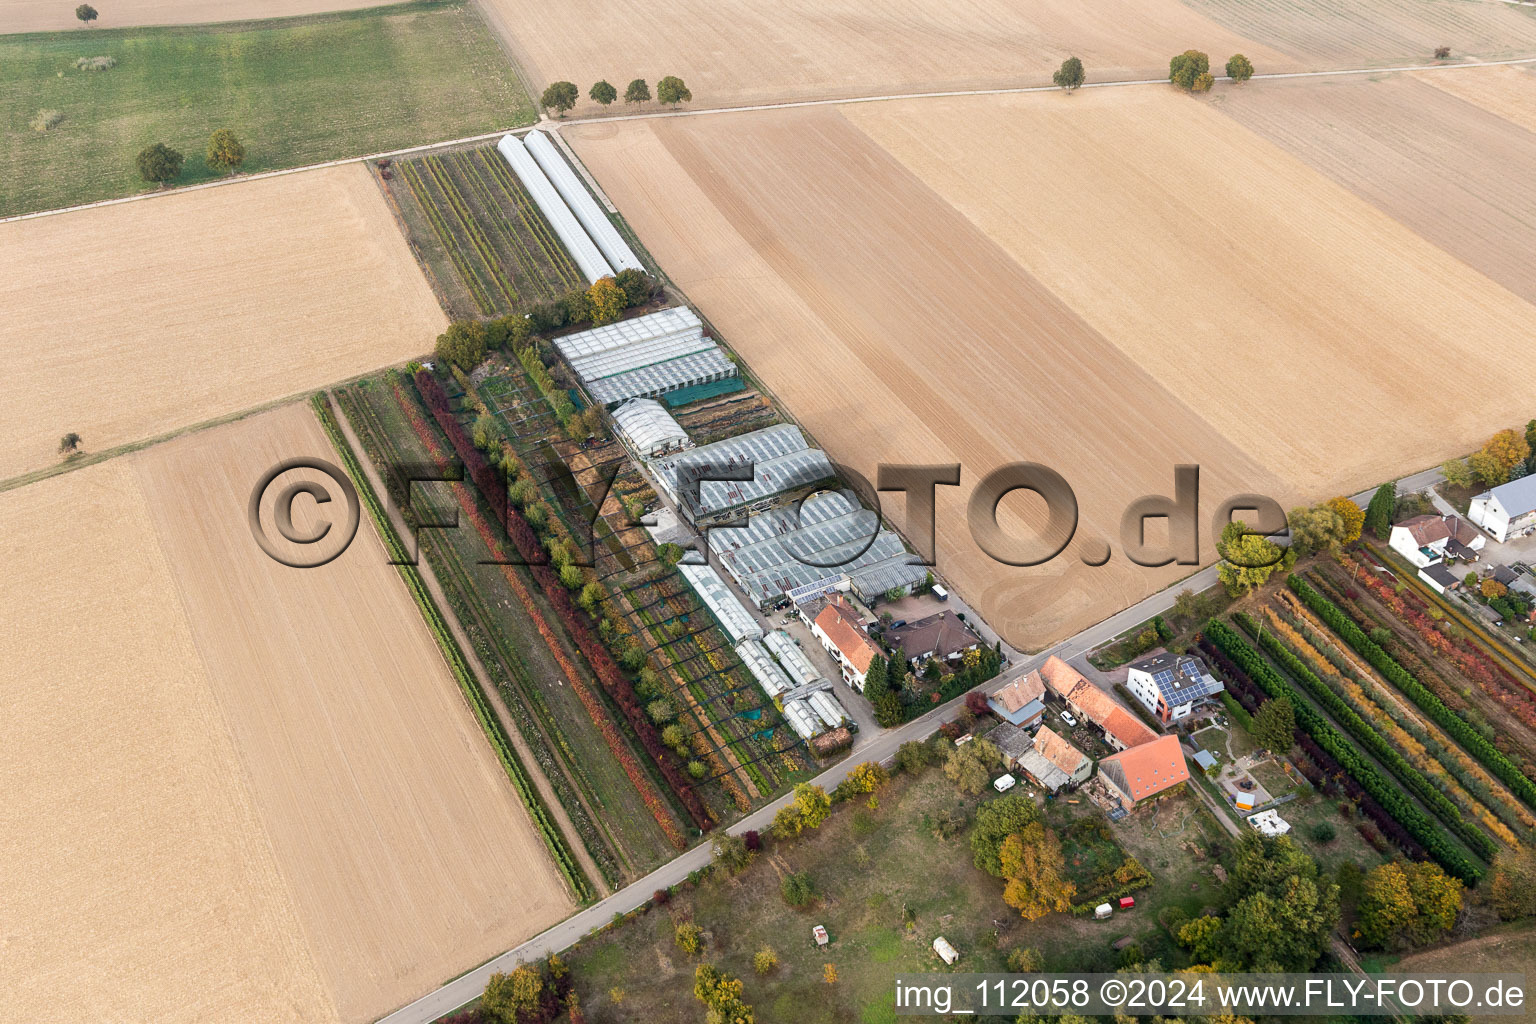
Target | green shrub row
(445,235)
(1470,739)
(1370,739)
(1414,821)
(466,217)
(553,251)
(465,676)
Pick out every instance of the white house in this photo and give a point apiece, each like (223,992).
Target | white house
(838,628)
(1425,540)
(1509,510)
(1439,578)
(1170,685)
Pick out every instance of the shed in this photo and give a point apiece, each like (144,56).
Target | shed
(820,935)
(1127,902)
(1243,801)
(1204,759)
(942,947)
(1269,823)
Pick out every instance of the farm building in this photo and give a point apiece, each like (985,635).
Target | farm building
(732,615)
(1020,701)
(943,635)
(583,251)
(1122,730)
(644,356)
(597,225)
(1439,577)
(831,543)
(648,430)
(1269,823)
(838,628)
(763,668)
(803,719)
(1052,762)
(1425,540)
(784,468)
(1144,771)
(791,658)
(1509,510)
(1010,741)
(1171,685)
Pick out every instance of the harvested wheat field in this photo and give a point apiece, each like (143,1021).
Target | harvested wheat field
(131,321)
(236,791)
(1110,283)
(43,16)
(1433,150)
(737,51)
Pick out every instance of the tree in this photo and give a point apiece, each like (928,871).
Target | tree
(1487,468)
(1491,588)
(1456,472)
(560,97)
(1280,911)
(1442,52)
(731,852)
(1239,68)
(462,344)
(86,13)
(1512,887)
(1386,905)
(970,766)
(1025,960)
(603,93)
(159,163)
(1378,513)
(1203,82)
(1275,724)
(639,287)
(722,995)
(606,300)
(1248,559)
(1436,902)
(829,973)
(1530,441)
(1035,871)
(1184,69)
(689,938)
(1070,75)
(1352,515)
(765,960)
(637,92)
(69,444)
(875,679)
(996,820)
(809,809)
(1202,938)
(1314,529)
(867,777)
(797,889)
(508,995)
(225,153)
(671,91)
(1507,448)
(888,710)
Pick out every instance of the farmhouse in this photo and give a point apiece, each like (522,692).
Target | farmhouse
(1144,771)
(1425,540)
(837,627)
(783,468)
(1054,763)
(648,430)
(944,636)
(1020,701)
(644,357)
(1509,510)
(829,543)
(1121,729)
(1170,685)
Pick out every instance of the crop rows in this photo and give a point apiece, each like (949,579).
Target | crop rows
(446,237)
(1417,824)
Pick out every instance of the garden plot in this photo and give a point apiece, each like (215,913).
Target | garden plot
(133,321)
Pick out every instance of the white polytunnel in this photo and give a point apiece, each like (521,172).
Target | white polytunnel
(576,196)
(588,258)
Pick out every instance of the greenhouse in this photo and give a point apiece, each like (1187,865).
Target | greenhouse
(648,429)
(732,615)
(586,255)
(758,661)
(661,378)
(791,658)
(645,356)
(827,708)
(803,719)
(581,203)
(781,460)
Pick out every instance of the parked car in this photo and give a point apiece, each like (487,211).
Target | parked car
(1066,716)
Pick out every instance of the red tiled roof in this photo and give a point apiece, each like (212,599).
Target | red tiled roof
(1058,751)
(843,630)
(1428,529)
(1148,769)
(1017,694)
(1059,676)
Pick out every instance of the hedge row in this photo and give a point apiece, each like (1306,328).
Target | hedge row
(618,685)
(1418,824)
(1477,840)
(1472,740)
(465,676)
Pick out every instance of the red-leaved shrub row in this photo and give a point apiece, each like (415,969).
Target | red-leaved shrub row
(575,621)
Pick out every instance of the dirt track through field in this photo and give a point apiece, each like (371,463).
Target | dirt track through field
(46,16)
(127,322)
(241,791)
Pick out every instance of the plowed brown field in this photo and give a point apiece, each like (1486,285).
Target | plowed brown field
(234,790)
(1110,283)
(126,322)
(43,16)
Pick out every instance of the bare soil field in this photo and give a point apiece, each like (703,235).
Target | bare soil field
(127,322)
(1110,283)
(1431,150)
(814,253)
(43,16)
(1265,295)
(1378,32)
(236,791)
(737,51)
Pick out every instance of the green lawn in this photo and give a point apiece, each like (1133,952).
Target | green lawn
(295,91)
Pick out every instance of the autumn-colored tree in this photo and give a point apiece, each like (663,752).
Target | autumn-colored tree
(1386,905)
(809,809)
(689,937)
(722,995)
(1201,937)
(1352,515)
(1035,872)
(1456,472)
(508,995)
(1239,68)
(1491,588)
(671,90)
(829,973)
(1247,559)
(1436,901)
(971,765)
(606,299)
(1203,82)
(1186,67)
(1512,887)
(996,820)
(1508,449)
(867,777)
(765,960)
(1319,528)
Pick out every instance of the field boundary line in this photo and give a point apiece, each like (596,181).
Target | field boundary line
(750,108)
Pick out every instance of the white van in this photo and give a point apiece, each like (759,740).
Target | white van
(1004,783)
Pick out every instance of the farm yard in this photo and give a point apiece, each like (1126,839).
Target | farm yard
(481,236)
(295,92)
(318,829)
(165,314)
(1036,299)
